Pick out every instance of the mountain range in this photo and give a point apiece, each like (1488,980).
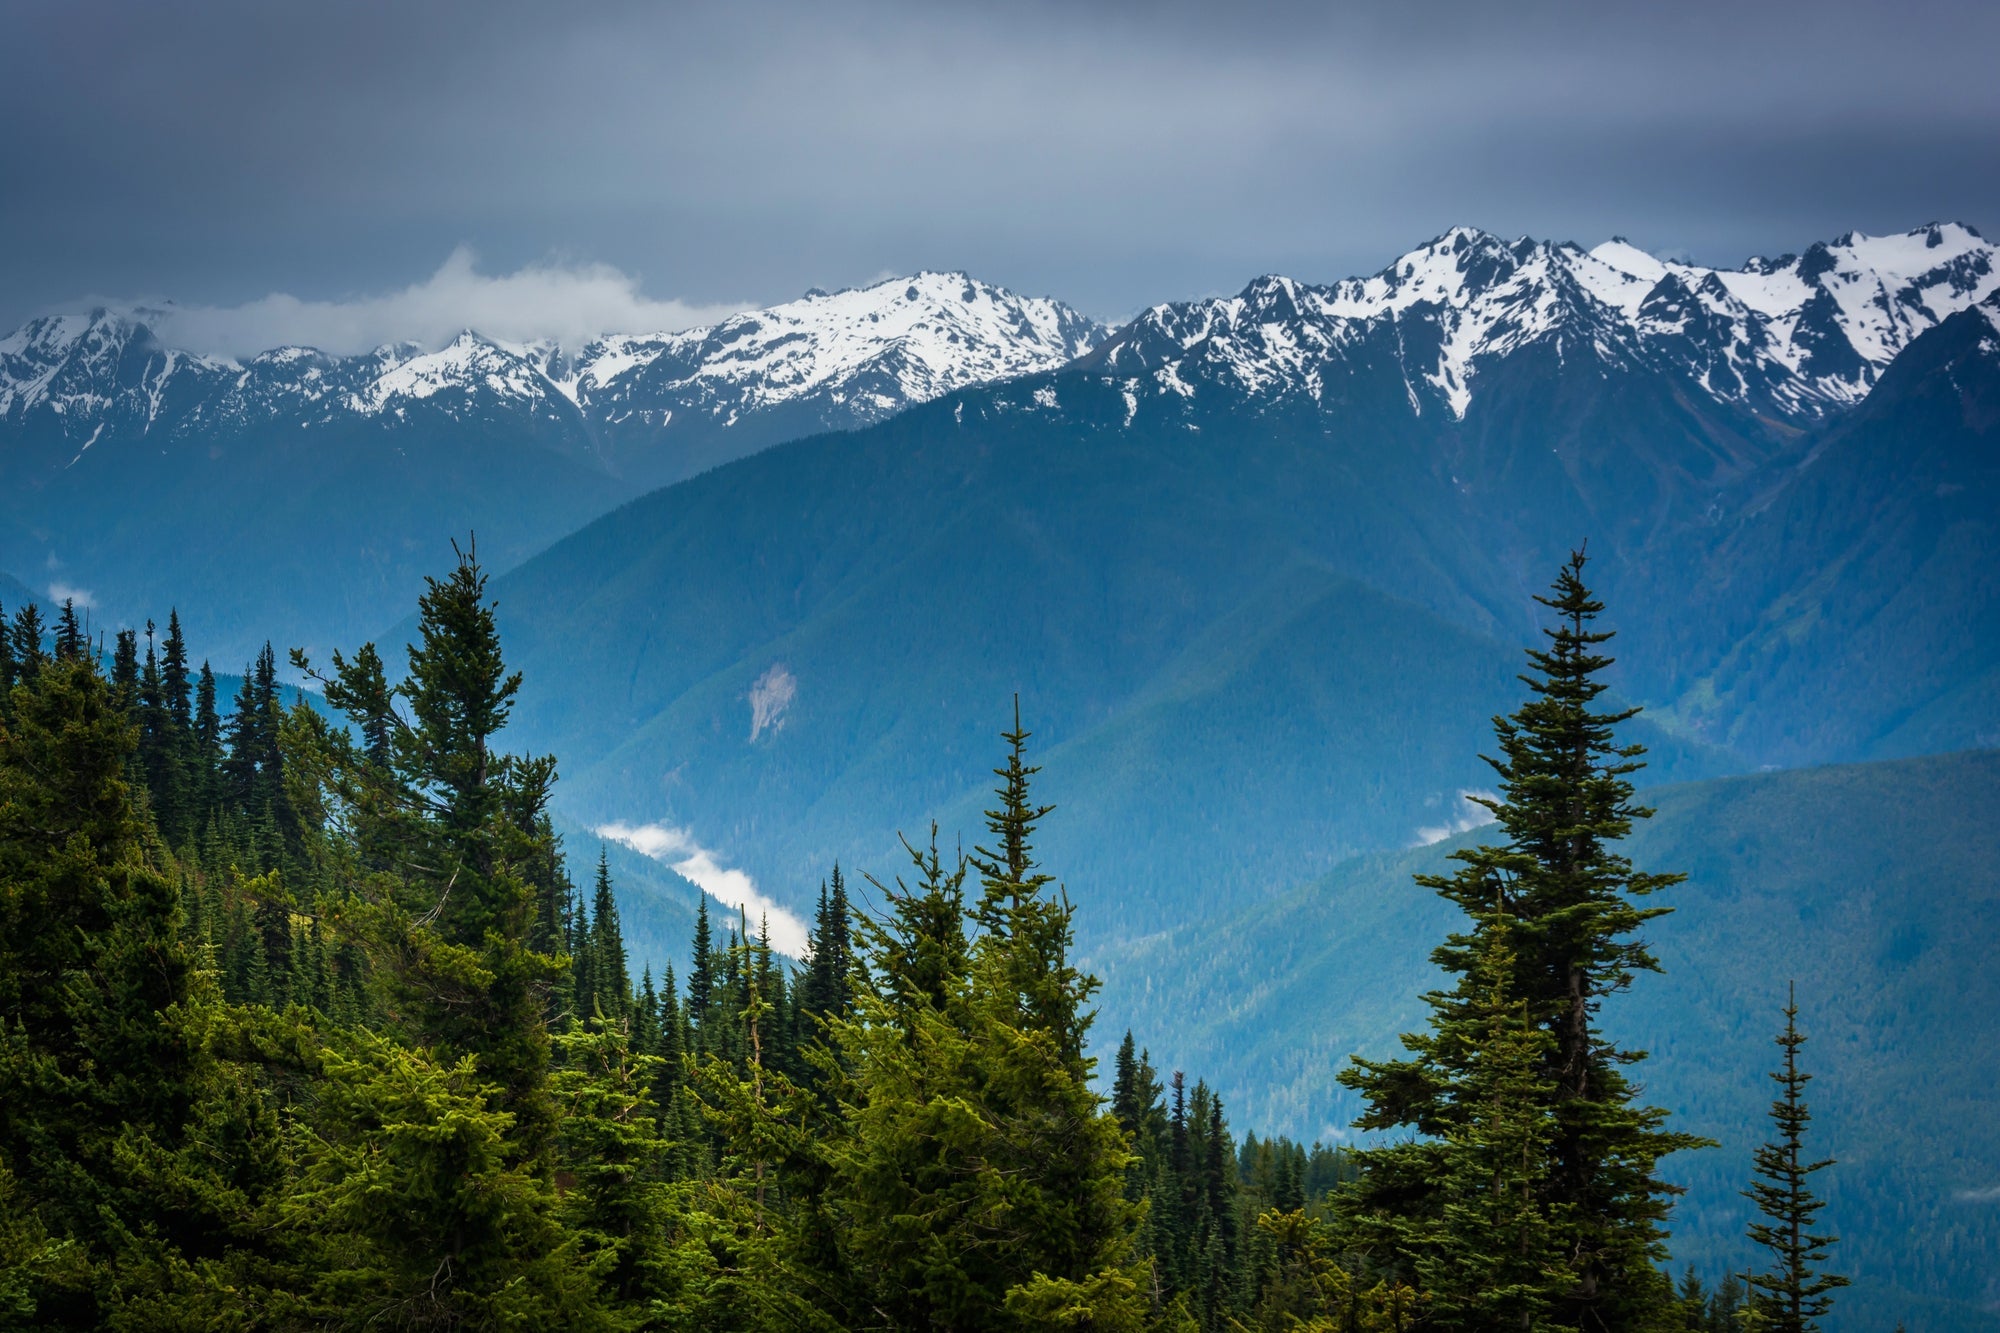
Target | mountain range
(1261,619)
(148,474)
(1258,568)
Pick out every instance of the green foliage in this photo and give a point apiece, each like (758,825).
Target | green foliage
(416,1210)
(305,1026)
(1533,1192)
(1796,1292)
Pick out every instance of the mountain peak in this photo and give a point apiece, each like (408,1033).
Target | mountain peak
(1796,337)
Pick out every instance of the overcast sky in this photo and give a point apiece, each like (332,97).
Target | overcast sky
(618,165)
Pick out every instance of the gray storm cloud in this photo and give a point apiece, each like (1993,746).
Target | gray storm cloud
(1112,154)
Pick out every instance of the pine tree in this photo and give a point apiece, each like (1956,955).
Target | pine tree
(1796,1292)
(417,1210)
(207,741)
(29,652)
(103,1066)
(1571,906)
(70,644)
(612,983)
(1492,1259)
(9,671)
(701,977)
(125,670)
(825,991)
(456,824)
(174,676)
(967,1104)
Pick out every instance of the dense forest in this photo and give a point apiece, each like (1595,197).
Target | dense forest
(307,1025)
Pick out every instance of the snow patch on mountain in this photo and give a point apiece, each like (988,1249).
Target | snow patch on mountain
(1797,336)
(844,358)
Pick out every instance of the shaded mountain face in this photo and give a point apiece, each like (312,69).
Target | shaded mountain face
(1865,884)
(1261,571)
(325,485)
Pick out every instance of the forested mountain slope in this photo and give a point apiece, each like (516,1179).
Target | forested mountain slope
(1262,618)
(299,494)
(1873,885)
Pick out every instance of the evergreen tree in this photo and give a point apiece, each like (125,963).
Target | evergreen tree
(825,991)
(612,984)
(455,823)
(1493,1257)
(125,670)
(9,670)
(104,1071)
(70,644)
(1796,1291)
(29,652)
(207,742)
(174,677)
(416,1209)
(611,1132)
(1571,907)
(701,977)
(980,1177)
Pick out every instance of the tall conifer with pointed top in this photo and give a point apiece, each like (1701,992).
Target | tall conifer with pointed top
(70,644)
(1572,905)
(612,983)
(1796,1292)
(29,651)
(701,977)
(456,824)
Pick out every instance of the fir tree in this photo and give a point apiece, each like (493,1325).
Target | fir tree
(125,670)
(1571,906)
(103,1065)
(1493,1258)
(70,644)
(174,676)
(701,977)
(456,824)
(1796,1291)
(207,740)
(29,652)
(612,984)
(8,669)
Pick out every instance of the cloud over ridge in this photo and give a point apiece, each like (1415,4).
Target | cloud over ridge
(676,847)
(563,302)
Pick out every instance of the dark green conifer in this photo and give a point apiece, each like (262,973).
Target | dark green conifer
(611,984)
(1796,1292)
(174,677)
(701,977)
(207,740)
(29,651)
(70,644)
(125,670)
(1571,904)
(458,824)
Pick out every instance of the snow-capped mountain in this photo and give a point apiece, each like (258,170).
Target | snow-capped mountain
(1794,338)
(652,406)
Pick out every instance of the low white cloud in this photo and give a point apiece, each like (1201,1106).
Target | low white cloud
(676,847)
(569,303)
(770,697)
(1466,814)
(63,592)
(1991,1194)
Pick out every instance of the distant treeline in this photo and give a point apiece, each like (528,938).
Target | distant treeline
(304,1024)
